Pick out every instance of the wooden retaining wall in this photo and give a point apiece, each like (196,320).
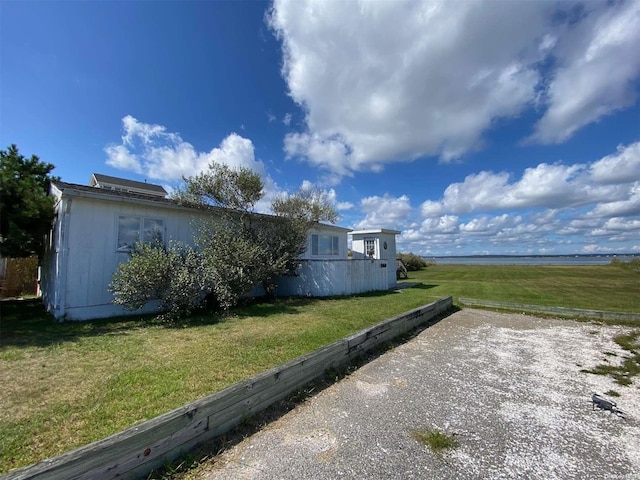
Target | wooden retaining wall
(561,311)
(136,451)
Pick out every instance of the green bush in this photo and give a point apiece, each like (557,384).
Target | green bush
(633,264)
(412,261)
(173,275)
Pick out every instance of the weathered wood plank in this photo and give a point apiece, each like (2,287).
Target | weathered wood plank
(154,452)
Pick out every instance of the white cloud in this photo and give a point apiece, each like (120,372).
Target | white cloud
(343,206)
(150,150)
(118,156)
(627,207)
(385,212)
(287,119)
(561,205)
(327,152)
(236,151)
(546,185)
(604,183)
(597,69)
(145,133)
(487,225)
(595,248)
(384,81)
(617,225)
(622,166)
(444,224)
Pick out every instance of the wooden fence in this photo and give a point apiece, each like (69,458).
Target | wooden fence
(18,276)
(138,450)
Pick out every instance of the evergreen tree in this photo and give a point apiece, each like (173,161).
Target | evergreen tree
(26,210)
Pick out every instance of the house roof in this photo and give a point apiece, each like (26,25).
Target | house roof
(317,226)
(133,197)
(105,181)
(377,230)
(88,191)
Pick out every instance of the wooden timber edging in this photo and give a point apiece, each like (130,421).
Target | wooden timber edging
(561,311)
(136,451)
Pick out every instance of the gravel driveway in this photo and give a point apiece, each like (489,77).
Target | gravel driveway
(508,386)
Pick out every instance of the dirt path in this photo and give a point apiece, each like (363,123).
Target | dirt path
(508,386)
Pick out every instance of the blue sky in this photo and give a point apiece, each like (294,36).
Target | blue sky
(496,127)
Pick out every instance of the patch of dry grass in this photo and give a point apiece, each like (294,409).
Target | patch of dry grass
(437,441)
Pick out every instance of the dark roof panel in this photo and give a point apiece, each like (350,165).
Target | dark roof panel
(98,178)
(112,193)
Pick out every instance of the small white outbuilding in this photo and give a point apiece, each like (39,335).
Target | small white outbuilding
(377,244)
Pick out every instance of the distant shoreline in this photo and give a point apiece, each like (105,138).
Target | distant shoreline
(575,259)
(588,255)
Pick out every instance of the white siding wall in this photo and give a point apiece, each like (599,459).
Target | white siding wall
(389,254)
(357,248)
(323,278)
(91,231)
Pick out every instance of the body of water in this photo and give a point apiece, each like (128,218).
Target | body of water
(531,260)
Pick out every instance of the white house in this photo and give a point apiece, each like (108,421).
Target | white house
(95,227)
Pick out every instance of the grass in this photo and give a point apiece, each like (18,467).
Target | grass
(65,385)
(437,441)
(601,287)
(630,367)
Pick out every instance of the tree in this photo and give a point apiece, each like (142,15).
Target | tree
(233,260)
(287,237)
(235,250)
(308,204)
(26,211)
(236,189)
(243,249)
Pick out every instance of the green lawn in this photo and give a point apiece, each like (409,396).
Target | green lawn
(64,385)
(602,287)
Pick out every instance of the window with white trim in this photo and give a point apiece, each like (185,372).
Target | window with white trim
(132,229)
(324,245)
(370,247)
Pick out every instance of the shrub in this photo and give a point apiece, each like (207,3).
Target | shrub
(173,275)
(412,261)
(233,261)
(633,264)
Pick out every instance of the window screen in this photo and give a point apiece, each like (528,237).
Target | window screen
(324,245)
(132,229)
